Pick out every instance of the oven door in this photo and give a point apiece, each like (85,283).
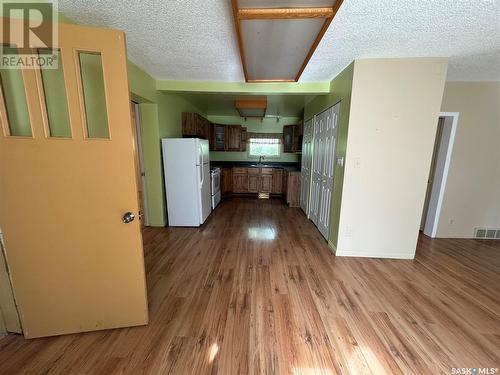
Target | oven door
(215,182)
(215,200)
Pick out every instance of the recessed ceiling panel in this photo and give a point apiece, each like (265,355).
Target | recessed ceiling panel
(285,3)
(276,49)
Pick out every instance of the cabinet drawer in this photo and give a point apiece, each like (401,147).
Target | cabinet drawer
(266,170)
(253,170)
(239,170)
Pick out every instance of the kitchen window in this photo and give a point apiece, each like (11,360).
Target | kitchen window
(270,147)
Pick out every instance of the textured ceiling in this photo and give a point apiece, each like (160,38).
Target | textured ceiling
(195,40)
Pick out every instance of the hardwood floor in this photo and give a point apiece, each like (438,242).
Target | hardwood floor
(257,291)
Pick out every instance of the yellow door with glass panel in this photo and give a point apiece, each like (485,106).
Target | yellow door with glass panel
(68,189)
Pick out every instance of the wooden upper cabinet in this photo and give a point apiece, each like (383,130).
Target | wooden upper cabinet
(189,124)
(288,138)
(233,137)
(292,138)
(298,134)
(243,146)
(221,137)
(195,126)
(203,127)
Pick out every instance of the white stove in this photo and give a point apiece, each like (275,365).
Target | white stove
(215,186)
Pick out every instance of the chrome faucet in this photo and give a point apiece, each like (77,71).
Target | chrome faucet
(261,157)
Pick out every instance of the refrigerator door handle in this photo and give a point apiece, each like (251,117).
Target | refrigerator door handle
(201,167)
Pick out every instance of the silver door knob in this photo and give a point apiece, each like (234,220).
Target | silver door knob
(128,217)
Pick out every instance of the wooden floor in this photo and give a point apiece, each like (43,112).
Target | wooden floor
(257,291)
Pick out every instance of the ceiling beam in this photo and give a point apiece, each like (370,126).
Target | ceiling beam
(322,32)
(242,88)
(283,13)
(234,5)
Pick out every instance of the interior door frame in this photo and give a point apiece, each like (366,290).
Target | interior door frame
(9,312)
(436,213)
(140,157)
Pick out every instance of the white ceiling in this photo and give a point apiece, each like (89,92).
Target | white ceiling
(195,40)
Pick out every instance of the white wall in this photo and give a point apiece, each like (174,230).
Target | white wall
(394,111)
(472,194)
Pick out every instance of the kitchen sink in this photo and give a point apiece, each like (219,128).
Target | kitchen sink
(261,165)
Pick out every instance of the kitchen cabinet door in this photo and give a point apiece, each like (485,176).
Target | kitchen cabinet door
(266,182)
(202,127)
(288,138)
(293,189)
(240,183)
(243,145)
(189,124)
(298,132)
(253,183)
(226,185)
(219,137)
(233,137)
(277,182)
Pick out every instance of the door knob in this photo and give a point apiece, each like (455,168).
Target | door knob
(128,217)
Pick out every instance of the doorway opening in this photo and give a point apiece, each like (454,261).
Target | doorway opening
(141,175)
(438,174)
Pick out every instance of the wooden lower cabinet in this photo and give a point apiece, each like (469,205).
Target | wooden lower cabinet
(243,180)
(240,182)
(292,189)
(277,181)
(226,181)
(253,183)
(266,183)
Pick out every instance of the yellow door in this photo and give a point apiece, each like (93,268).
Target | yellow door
(67,178)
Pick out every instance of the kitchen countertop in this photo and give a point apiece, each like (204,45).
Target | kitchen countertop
(290,167)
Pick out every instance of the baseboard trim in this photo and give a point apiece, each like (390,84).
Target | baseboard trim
(333,248)
(359,254)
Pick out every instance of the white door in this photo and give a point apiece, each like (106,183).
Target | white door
(306,166)
(323,167)
(329,136)
(316,168)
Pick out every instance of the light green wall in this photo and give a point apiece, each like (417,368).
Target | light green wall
(170,108)
(15,102)
(55,100)
(142,85)
(94,96)
(268,125)
(151,153)
(340,90)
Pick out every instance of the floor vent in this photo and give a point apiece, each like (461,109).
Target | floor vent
(487,233)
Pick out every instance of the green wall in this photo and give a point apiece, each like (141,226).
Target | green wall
(55,101)
(340,90)
(268,125)
(170,108)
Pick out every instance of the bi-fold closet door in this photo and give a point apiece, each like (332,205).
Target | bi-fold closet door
(323,167)
(306,166)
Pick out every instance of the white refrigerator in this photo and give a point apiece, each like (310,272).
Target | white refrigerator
(186,167)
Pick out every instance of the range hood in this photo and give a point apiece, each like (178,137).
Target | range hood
(251,107)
